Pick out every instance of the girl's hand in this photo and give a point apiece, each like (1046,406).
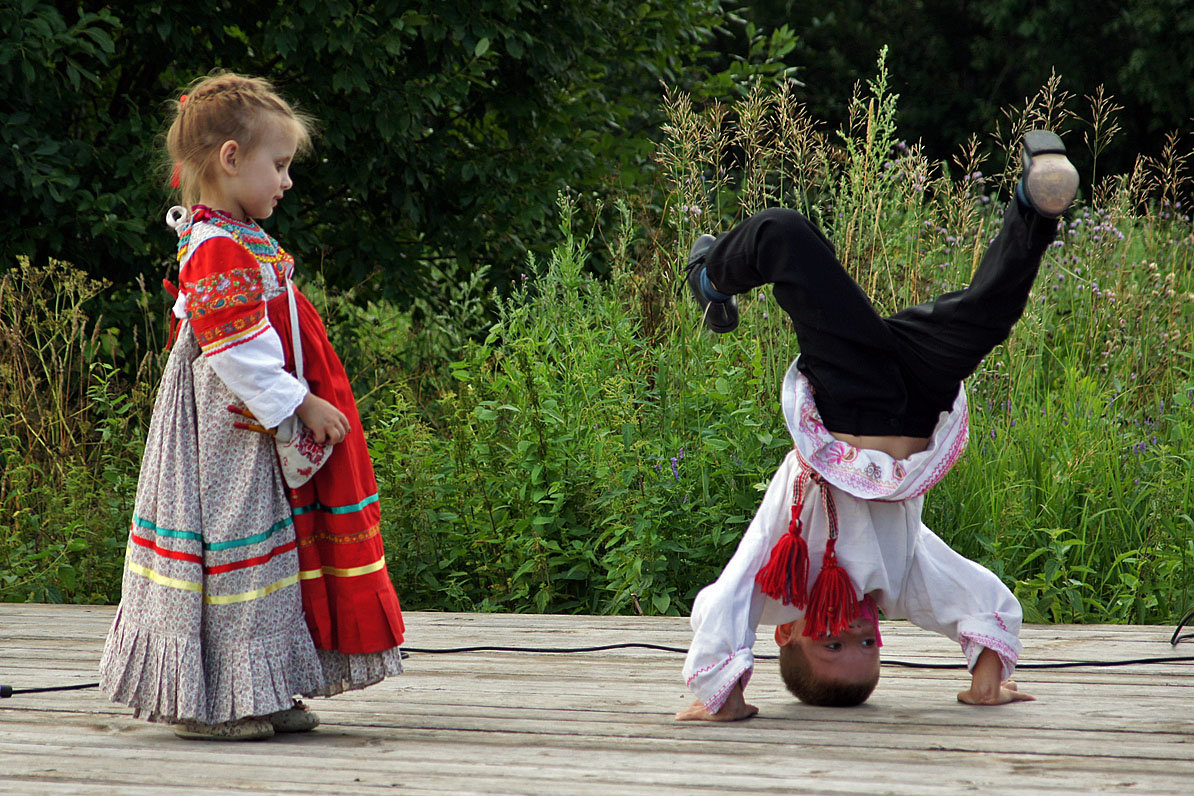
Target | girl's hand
(327,423)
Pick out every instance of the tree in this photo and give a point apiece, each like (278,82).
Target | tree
(957,64)
(447,128)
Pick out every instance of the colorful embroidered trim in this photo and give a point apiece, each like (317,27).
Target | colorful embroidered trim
(346,538)
(317,506)
(223,344)
(254,539)
(164,580)
(252,562)
(352,572)
(243,597)
(144,523)
(1007,656)
(177,555)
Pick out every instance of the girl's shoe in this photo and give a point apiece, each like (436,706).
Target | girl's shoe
(296,719)
(1050,181)
(250,728)
(721,315)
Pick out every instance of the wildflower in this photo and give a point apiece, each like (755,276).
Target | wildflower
(675,469)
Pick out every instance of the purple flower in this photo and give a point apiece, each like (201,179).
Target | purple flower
(675,469)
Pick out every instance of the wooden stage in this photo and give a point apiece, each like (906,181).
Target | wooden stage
(598,723)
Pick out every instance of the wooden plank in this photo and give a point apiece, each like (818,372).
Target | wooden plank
(601,722)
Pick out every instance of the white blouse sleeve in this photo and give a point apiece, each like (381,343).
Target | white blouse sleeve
(726,612)
(222,296)
(949,594)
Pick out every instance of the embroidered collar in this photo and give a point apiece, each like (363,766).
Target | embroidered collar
(871,474)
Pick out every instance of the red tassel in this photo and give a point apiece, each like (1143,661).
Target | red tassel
(832,604)
(785,576)
(176,176)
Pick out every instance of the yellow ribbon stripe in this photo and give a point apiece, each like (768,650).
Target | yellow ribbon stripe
(165,580)
(226,599)
(308,574)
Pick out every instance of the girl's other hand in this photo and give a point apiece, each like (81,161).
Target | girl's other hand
(327,423)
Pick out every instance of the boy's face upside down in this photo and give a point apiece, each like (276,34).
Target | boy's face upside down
(834,670)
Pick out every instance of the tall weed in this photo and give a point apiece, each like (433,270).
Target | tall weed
(581,444)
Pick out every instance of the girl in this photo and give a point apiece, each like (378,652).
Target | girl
(240,593)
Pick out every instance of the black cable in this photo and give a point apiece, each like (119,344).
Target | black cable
(8,691)
(1176,639)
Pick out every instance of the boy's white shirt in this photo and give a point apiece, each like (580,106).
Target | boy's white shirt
(882,544)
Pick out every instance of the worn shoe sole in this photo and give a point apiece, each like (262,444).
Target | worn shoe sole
(719,316)
(296,719)
(1050,180)
(252,728)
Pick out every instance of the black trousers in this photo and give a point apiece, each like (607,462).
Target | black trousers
(874,375)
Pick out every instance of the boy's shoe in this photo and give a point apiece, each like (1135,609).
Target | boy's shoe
(1050,181)
(296,719)
(721,316)
(250,728)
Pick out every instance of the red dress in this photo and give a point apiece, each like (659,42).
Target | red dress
(349,601)
(347,598)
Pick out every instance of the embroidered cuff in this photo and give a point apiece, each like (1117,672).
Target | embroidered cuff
(712,684)
(274,405)
(1005,645)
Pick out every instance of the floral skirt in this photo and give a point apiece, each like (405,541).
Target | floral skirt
(210,626)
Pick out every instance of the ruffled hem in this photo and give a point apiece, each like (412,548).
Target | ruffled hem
(147,670)
(871,474)
(168,678)
(349,672)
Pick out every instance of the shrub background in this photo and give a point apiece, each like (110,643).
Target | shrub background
(571,441)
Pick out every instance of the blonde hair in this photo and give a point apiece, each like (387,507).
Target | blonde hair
(225,106)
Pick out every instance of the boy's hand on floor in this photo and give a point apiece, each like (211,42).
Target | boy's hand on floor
(734,709)
(327,423)
(1007,692)
(985,686)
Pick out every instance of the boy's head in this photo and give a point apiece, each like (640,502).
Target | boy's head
(836,671)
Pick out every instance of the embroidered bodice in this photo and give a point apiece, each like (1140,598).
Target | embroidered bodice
(228,270)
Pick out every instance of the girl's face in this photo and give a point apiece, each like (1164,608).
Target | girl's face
(262,175)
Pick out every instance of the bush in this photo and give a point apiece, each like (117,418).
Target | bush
(595,451)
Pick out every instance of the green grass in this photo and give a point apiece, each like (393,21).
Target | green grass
(582,445)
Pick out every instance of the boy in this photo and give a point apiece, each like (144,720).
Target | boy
(878,415)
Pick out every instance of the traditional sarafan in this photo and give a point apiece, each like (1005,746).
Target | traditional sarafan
(238,592)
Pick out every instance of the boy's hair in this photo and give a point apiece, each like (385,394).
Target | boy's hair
(798,677)
(224,106)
